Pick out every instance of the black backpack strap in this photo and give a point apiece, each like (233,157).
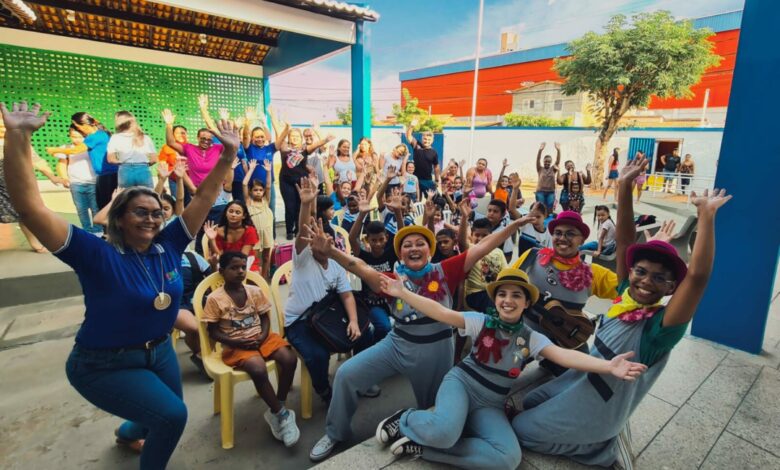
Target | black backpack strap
(197,274)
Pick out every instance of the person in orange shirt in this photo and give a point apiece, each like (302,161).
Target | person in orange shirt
(503,188)
(169,156)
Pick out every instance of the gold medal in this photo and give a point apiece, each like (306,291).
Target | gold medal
(162,301)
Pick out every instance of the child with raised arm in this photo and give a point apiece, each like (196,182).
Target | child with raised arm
(258,200)
(582,416)
(237,317)
(472,395)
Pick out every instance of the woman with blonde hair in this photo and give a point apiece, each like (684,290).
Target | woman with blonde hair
(132,150)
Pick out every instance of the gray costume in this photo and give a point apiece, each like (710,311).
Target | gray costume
(418,347)
(471,398)
(580,414)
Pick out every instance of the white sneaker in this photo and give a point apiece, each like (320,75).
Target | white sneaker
(289,430)
(273,422)
(322,449)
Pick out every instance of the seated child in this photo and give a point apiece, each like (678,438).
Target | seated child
(534,234)
(484,271)
(445,245)
(237,317)
(606,243)
(468,428)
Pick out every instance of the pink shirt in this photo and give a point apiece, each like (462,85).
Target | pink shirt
(199,161)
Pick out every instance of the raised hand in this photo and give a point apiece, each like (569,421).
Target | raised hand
(319,241)
(240,121)
(430,194)
(588,167)
(203,101)
(542,145)
(163,170)
(391,286)
(622,368)
(395,202)
(210,229)
(223,113)
(414,123)
(664,234)
(252,166)
(463,163)
(235,163)
(505,163)
(429,208)
(228,135)
(250,114)
(514,180)
(266,165)
(306,191)
(390,173)
(557,145)
(23,118)
(180,168)
(710,202)
(465,208)
(364,205)
(168,117)
(633,168)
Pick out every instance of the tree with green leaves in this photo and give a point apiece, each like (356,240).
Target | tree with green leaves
(630,63)
(345,115)
(410,112)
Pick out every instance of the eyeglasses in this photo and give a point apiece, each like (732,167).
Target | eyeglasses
(142,213)
(655,278)
(569,234)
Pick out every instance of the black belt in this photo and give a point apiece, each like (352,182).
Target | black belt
(147,345)
(483,381)
(432,338)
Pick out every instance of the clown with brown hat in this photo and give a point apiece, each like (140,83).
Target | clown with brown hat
(472,394)
(418,347)
(585,416)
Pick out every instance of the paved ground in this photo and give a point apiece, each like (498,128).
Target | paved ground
(713,408)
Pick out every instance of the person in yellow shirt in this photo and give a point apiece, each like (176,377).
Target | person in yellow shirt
(565,281)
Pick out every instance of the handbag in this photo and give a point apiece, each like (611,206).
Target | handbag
(328,318)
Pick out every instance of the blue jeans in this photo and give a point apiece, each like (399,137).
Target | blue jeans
(86,205)
(135,174)
(608,249)
(143,387)
(315,355)
(547,198)
(381,322)
(426,185)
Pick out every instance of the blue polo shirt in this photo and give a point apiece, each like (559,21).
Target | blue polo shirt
(118,294)
(260,155)
(97,145)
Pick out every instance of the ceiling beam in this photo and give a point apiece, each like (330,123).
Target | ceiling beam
(153,21)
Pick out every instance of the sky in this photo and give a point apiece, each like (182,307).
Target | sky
(412,34)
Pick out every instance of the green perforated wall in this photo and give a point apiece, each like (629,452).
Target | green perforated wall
(67,83)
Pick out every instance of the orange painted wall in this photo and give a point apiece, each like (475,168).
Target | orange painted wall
(451,93)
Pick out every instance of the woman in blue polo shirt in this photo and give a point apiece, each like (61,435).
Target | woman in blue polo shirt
(96,140)
(122,361)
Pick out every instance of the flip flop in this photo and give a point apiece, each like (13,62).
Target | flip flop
(135,445)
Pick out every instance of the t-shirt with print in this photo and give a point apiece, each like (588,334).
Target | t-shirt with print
(238,323)
(261,155)
(200,162)
(411,183)
(294,165)
(311,283)
(383,263)
(316,160)
(485,271)
(425,161)
(120,317)
(475,321)
(128,151)
(531,238)
(79,167)
(657,340)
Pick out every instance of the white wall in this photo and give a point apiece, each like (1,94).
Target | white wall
(520,145)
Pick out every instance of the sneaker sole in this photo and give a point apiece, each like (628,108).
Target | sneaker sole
(379,431)
(276,435)
(399,443)
(321,457)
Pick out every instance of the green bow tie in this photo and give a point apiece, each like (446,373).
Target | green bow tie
(493,321)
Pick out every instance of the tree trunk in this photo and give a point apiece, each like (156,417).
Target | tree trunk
(602,146)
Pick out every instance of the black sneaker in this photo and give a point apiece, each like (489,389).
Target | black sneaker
(406,446)
(290,236)
(389,430)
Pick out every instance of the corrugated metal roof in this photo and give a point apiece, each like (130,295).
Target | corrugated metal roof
(721,22)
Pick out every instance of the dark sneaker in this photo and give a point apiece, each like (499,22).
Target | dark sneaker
(389,430)
(372,392)
(406,446)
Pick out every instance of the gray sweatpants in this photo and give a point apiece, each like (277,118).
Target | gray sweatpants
(423,364)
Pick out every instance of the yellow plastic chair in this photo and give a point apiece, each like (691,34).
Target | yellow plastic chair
(343,232)
(204,243)
(225,377)
(278,301)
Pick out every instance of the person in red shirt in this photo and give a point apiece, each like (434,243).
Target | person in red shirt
(235,232)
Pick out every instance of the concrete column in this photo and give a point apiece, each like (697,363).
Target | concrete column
(736,304)
(361,85)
